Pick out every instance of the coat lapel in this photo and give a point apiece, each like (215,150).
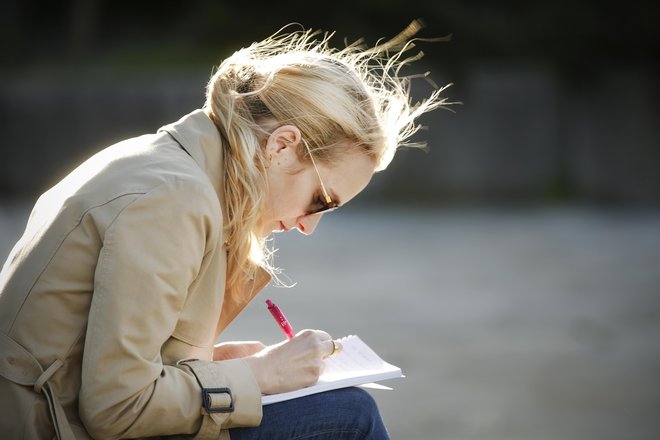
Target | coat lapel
(235,301)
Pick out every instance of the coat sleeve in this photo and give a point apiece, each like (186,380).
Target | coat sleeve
(151,254)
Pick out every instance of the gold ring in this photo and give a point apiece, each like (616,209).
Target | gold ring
(335,347)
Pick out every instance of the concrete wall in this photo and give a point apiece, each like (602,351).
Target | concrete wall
(521,134)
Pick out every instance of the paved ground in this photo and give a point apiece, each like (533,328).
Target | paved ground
(519,325)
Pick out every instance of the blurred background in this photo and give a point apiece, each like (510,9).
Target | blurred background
(512,270)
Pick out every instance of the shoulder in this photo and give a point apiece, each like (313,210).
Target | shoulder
(137,165)
(151,173)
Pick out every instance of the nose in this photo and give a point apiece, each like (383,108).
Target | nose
(307,223)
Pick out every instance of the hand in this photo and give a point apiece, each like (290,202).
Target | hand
(292,364)
(235,350)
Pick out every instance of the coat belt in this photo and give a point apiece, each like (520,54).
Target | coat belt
(19,366)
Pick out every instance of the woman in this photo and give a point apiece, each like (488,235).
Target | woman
(131,266)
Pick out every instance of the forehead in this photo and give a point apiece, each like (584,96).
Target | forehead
(348,176)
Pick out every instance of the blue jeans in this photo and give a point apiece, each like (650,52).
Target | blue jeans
(344,414)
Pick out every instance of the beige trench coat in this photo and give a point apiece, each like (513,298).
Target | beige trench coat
(111,301)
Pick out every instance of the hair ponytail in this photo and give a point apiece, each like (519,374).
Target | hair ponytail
(339,99)
(232,111)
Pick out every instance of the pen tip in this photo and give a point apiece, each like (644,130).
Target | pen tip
(269,303)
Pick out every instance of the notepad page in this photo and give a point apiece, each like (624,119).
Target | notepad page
(355,365)
(354,359)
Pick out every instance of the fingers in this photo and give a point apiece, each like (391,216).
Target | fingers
(320,334)
(327,346)
(294,363)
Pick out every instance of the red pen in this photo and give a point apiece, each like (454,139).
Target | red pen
(280,318)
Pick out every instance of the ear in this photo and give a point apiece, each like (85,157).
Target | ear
(283,141)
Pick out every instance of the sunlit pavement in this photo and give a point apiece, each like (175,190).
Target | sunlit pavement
(509,324)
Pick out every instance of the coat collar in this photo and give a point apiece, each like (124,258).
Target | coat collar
(200,138)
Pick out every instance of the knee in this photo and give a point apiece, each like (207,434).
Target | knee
(360,400)
(365,413)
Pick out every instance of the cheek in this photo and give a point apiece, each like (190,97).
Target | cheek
(288,207)
(274,196)
(289,197)
(279,204)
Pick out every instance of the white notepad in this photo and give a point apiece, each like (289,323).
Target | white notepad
(356,364)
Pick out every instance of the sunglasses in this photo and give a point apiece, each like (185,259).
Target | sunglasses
(324,203)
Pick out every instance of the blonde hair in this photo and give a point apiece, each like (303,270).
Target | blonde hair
(339,99)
